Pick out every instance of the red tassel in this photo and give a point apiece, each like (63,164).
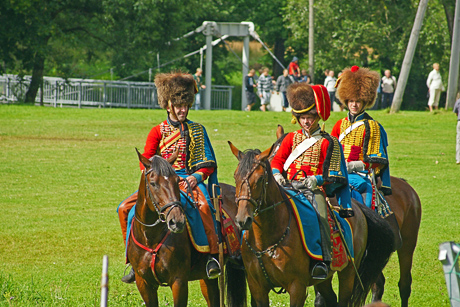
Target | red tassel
(354,68)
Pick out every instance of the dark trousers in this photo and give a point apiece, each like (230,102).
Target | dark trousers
(387,99)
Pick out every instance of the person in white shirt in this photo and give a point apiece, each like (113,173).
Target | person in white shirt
(388,83)
(435,87)
(329,83)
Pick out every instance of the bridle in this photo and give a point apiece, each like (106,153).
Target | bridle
(257,203)
(162,217)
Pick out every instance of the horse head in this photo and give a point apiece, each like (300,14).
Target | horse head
(251,179)
(160,190)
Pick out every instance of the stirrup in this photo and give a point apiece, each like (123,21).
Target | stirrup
(215,275)
(319,271)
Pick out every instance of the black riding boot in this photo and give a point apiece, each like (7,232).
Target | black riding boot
(213,267)
(130,278)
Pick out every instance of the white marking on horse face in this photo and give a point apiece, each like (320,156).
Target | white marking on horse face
(166,177)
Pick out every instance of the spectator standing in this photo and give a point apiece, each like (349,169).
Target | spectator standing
(199,85)
(435,87)
(265,87)
(282,84)
(305,77)
(249,85)
(329,83)
(388,84)
(457,111)
(294,69)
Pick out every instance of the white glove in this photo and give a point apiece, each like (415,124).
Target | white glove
(310,182)
(280,179)
(355,166)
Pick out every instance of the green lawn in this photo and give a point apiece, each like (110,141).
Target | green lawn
(64,171)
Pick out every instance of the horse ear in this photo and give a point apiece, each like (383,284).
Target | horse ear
(143,160)
(265,154)
(236,152)
(279,131)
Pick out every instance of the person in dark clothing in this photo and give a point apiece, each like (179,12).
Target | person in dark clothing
(249,85)
(282,84)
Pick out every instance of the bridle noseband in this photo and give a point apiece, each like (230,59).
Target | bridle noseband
(162,217)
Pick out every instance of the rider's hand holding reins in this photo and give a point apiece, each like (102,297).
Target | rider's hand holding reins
(355,166)
(310,182)
(280,179)
(192,181)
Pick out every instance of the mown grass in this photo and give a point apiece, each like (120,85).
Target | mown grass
(64,171)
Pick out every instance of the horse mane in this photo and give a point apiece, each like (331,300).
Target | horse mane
(247,161)
(162,167)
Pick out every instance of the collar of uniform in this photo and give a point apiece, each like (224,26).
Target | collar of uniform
(314,133)
(361,116)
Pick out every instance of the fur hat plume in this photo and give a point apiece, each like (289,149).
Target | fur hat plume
(359,84)
(175,87)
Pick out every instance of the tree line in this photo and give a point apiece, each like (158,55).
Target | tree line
(92,38)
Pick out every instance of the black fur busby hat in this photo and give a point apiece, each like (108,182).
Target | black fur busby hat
(358,84)
(175,88)
(304,99)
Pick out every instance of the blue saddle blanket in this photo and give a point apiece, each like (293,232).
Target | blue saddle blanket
(195,226)
(308,225)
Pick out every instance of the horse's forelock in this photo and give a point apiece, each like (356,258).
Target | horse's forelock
(161,166)
(247,162)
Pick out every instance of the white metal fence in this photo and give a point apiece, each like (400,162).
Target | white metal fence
(98,93)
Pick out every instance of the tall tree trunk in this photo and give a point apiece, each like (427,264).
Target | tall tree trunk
(449,9)
(407,62)
(37,78)
(279,53)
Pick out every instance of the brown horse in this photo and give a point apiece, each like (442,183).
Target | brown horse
(407,208)
(272,249)
(161,253)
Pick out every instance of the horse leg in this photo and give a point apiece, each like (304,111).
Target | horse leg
(378,288)
(325,295)
(149,294)
(259,294)
(297,293)
(180,293)
(346,282)
(405,255)
(210,291)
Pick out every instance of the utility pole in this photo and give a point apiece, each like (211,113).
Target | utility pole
(452,87)
(407,62)
(311,43)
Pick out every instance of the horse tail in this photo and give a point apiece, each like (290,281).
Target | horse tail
(235,279)
(380,245)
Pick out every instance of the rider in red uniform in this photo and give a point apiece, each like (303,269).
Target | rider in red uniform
(195,160)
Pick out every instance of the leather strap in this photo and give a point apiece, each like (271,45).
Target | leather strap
(307,143)
(154,253)
(350,129)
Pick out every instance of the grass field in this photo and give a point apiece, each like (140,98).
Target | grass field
(64,171)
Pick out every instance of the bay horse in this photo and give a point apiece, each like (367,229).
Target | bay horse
(159,249)
(406,206)
(272,249)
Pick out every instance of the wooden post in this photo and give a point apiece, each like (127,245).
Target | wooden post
(216,203)
(407,62)
(311,43)
(452,87)
(104,281)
